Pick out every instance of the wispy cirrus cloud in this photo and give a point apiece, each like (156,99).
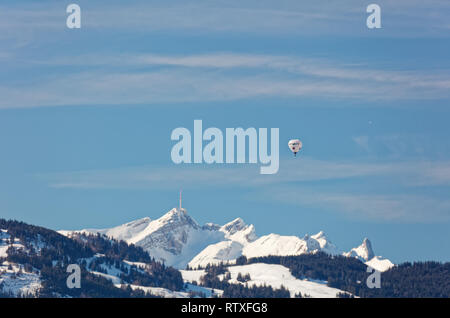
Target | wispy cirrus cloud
(403,208)
(293,65)
(295,184)
(110,78)
(406,173)
(397,146)
(149,79)
(403,17)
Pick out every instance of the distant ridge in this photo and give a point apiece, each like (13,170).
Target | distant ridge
(178,240)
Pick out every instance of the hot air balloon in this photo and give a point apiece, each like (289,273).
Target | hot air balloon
(295,145)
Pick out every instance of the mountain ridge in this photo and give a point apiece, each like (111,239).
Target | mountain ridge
(178,240)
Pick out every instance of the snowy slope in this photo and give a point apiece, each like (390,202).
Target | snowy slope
(127,231)
(5,243)
(380,264)
(167,293)
(13,278)
(242,240)
(270,275)
(277,276)
(237,234)
(272,244)
(223,252)
(192,275)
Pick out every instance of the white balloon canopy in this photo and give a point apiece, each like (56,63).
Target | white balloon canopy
(295,145)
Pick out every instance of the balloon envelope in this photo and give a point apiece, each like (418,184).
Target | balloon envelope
(295,145)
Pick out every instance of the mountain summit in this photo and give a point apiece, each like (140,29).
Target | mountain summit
(364,252)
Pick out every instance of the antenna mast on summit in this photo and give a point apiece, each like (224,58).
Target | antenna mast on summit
(180,199)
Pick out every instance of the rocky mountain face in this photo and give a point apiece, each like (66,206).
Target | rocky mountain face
(363,252)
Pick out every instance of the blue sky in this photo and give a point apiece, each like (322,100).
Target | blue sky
(86,116)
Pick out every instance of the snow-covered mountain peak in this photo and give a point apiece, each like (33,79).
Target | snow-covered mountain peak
(232,227)
(366,249)
(179,217)
(128,230)
(325,244)
(274,244)
(312,244)
(173,226)
(363,252)
(244,236)
(236,235)
(238,231)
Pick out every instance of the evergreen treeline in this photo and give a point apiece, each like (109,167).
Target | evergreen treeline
(54,285)
(32,236)
(113,248)
(419,279)
(341,272)
(154,274)
(241,291)
(413,280)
